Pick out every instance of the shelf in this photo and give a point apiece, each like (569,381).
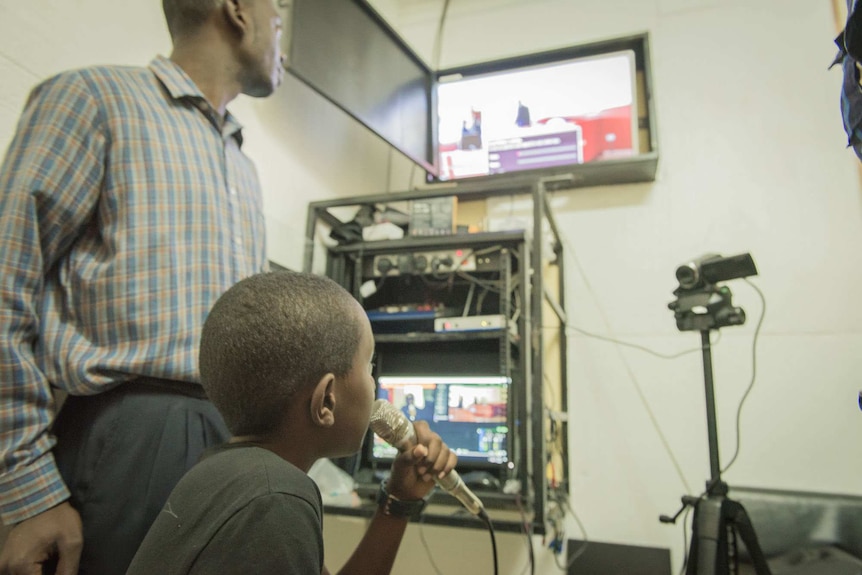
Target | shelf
(424,337)
(454,518)
(435,242)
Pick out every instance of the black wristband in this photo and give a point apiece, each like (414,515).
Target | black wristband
(394,507)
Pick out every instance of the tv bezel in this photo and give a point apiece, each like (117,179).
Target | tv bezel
(637,44)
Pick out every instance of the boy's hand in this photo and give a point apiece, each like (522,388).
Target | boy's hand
(415,470)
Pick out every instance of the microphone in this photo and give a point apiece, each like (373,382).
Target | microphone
(394,428)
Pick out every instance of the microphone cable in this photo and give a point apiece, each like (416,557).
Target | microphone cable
(483,515)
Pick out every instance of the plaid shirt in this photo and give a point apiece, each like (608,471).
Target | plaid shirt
(126,209)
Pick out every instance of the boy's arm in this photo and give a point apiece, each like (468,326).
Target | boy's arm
(412,478)
(377,550)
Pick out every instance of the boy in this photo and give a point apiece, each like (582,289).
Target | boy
(286,359)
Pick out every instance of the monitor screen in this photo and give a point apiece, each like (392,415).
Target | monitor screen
(470,413)
(544,116)
(347,53)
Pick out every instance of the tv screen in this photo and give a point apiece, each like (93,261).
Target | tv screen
(524,115)
(470,413)
(347,53)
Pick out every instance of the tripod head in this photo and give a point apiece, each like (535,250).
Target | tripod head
(706,308)
(703,305)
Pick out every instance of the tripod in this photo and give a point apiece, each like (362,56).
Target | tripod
(716,517)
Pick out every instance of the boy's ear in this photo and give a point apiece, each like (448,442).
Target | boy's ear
(323,401)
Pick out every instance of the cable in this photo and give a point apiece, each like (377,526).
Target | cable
(586,539)
(481,300)
(634,345)
(554,441)
(517,305)
(564,502)
(489,285)
(753,373)
(525,529)
(653,419)
(425,544)
(483,515)
(685,540)
(438,39)
(388,186)
(472,290)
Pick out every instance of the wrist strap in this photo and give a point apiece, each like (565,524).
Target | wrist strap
(394,507)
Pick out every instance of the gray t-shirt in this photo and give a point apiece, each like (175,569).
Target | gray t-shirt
(242,509)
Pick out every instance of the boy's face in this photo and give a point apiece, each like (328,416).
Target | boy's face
(358,390)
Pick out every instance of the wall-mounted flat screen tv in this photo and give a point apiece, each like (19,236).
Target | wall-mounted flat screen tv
(347,53)
(547,113)
(584,110)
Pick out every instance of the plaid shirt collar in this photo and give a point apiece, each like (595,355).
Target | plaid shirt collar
(180,86)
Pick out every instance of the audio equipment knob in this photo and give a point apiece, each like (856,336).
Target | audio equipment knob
(384,265)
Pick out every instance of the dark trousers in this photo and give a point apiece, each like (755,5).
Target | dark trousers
(121,453)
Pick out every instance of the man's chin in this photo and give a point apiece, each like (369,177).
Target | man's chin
(264,88)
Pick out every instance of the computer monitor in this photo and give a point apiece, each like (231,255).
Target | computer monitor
(469,412)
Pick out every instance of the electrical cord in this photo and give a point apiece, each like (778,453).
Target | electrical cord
(517,305)
(525,529)
(438,38)
(469,301)
(489,285)
(563,501)
(753,374)
(685,540)
(426,545)
(558,494)
(571,328)
(483,515)
(634,380)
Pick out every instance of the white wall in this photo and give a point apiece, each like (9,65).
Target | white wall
(752,158)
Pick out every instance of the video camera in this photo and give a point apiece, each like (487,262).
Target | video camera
(703,305)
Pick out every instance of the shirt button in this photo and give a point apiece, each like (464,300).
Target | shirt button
(237,241)
(232,191)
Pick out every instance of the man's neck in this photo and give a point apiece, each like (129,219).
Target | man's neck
(211,72)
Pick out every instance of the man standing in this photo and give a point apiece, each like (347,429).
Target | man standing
(126,209)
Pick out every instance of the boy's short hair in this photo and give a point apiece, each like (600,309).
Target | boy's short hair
(270,335)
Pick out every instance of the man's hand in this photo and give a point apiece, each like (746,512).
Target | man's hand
(415,470)
(56,532)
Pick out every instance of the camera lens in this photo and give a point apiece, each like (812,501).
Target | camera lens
(687,275)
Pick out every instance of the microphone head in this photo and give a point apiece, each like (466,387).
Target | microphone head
(389,423)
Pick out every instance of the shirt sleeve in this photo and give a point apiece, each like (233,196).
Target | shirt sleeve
(273,534)
(50,181)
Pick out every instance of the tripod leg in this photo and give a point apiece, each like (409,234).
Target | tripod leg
(738,516)
(708,554)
